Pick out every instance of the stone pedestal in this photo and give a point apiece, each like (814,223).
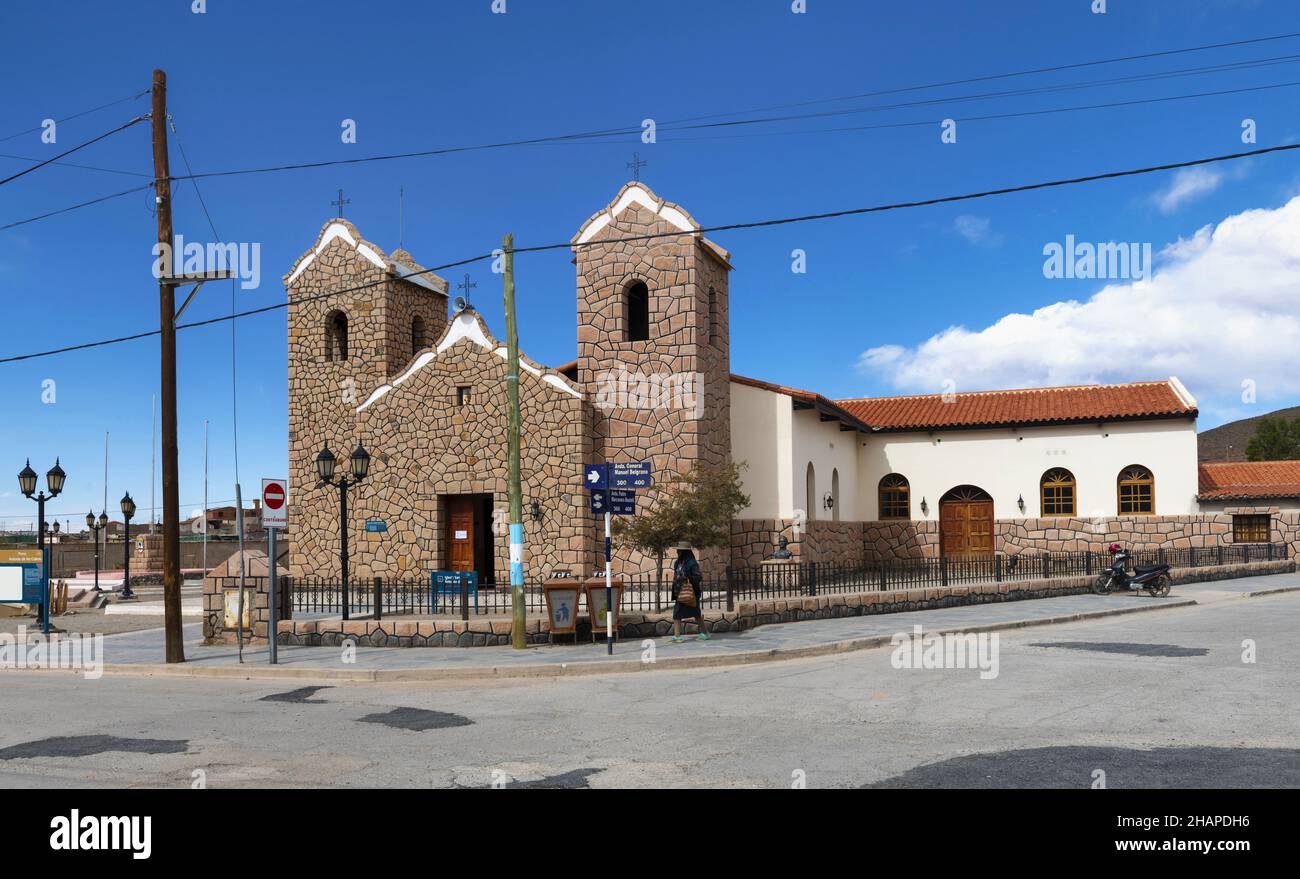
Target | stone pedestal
(780,574)
(147,557)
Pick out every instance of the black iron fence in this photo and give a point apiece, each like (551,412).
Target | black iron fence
(645,593)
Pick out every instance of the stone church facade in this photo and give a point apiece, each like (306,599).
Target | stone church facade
(376,358)
(380,363)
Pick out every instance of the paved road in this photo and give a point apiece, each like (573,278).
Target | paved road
(1153,699)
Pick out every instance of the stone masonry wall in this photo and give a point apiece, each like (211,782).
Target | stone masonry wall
(920,539)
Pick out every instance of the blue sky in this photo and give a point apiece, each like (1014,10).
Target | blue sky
(255,84)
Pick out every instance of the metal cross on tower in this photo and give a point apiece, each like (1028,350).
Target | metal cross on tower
(340,203)
(466,285)
(636,165)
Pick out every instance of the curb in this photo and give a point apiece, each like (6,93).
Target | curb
(627,666)
(1278,591)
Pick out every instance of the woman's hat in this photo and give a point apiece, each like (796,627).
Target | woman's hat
(683,544)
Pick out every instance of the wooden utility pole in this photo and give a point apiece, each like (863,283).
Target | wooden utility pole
(518,609)
(167,344)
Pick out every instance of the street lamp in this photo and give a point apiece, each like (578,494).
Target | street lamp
(128,510)
(27,484)
(96,526)
(326,464)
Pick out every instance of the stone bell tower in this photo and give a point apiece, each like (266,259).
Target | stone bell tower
(354,322)
(654,351)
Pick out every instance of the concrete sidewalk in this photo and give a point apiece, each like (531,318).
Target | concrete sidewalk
(140,652)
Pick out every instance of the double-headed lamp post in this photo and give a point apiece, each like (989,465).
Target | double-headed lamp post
(27,485)
(128,510)
(96,527)
(325,466)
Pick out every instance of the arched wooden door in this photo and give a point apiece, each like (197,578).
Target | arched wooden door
(966,522)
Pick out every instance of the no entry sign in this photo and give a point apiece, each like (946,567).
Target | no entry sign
(275,503)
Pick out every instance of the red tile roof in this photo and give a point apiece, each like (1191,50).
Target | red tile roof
(1231,480)
(1029,406)
(808,400)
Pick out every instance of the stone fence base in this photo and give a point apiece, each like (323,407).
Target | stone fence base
(748,614)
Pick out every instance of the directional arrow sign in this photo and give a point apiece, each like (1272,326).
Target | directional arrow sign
(599,502)
(594,477)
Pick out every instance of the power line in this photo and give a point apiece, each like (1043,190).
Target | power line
(1017,73)
(782,221)
(79,115)
(84,204)
(591,136)
(587,136)
(574,138)
(42,164)
(77,165)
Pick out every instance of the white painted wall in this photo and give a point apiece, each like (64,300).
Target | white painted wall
(1010,463)
(760,437)
(827,447)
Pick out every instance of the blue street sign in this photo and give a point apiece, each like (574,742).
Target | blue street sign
(376,526)
(631,474)
(618,503)
(622,503)
(594,477)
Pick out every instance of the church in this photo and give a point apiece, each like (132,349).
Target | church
(378,358)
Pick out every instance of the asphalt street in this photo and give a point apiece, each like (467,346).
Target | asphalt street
(1161,699)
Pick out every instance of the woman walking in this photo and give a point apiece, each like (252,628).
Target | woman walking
(688,592)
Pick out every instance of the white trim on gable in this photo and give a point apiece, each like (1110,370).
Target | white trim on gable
(336,230)
(464,326)
(636,195)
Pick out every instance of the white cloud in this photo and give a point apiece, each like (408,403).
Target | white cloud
(976,230)
(1188,184)
(1223,307)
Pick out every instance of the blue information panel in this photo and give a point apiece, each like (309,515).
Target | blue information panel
(593,477)
(22,576)
(449,582)
(633,474)
(376,526)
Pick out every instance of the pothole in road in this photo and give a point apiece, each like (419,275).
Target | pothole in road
(301,696)
(1170,650)
(86,746)
(1076,767)
(417,719)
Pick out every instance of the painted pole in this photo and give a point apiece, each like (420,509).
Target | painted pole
(518,610)
(271,597)
(609,585)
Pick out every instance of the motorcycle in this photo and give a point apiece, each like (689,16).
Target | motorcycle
(1154,579)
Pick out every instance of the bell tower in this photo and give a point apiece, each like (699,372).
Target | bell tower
(654,353)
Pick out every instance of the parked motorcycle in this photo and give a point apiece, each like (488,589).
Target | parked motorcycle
(1154,579)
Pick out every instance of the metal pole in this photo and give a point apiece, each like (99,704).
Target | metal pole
(609,586)
(126,558)
(239,526)
(45,563)
(271,627)
(518,610)
(343,540)
(175,648)
(205,497)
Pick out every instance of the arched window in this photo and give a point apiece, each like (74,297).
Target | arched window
(336,336)
(835,495)
(895,497)
(636,315)
(1057,493)
(810,506)
(1137,491)
(418,339)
